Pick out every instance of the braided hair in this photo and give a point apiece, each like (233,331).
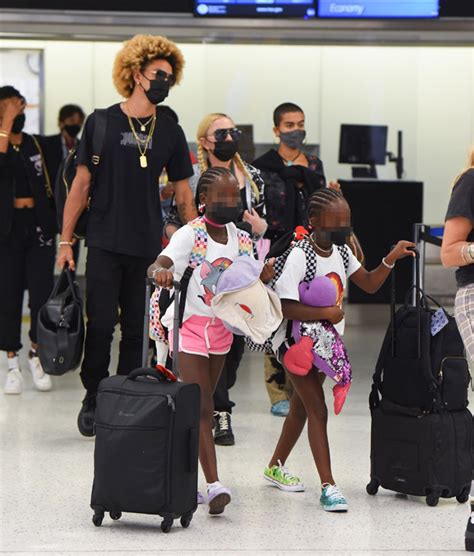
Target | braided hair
(322,199)
(210,177)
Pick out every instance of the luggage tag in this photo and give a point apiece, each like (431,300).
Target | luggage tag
(438,321)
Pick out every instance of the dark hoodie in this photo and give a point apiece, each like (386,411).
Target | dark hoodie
(287,189)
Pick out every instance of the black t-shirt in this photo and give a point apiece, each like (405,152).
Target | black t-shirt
(125,210)
(462,204)
(22,185)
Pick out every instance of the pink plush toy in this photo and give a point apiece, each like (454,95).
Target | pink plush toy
(318,343)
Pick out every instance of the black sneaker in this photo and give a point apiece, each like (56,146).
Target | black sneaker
(223,435)
(86,418)
(470,534)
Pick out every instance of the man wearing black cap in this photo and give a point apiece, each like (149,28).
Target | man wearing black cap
(27,231)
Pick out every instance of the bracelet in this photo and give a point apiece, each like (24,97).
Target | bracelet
(463,253)
(4,134)
(386,265)
(470,252)
(66,243)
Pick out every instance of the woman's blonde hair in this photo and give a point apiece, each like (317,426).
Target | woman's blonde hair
(470,165)
(202,130)
(139,51)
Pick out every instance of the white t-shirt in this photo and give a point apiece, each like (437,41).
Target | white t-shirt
(203,282)
(294,272)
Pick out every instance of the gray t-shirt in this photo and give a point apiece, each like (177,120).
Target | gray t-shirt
(462,204)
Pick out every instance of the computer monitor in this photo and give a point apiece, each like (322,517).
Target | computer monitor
(380,9)
(305,9)
(363,144)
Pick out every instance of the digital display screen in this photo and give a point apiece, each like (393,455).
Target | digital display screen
(247,8)
(354,9)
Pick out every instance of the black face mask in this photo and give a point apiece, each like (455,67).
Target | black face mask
(158,91)
(72,130)
(225,150)
(18,123)
(293,139)
(337,236)
(223,214)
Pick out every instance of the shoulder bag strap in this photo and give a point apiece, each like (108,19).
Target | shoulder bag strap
(49,190)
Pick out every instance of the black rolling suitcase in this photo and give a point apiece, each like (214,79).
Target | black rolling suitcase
(422,431)
(146,446)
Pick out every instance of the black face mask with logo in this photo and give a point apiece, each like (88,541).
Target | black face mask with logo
(18,123)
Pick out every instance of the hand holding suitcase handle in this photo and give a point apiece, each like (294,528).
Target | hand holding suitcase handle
(137,373)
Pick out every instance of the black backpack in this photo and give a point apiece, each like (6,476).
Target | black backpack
(67,173)
(415,368)
(61,327)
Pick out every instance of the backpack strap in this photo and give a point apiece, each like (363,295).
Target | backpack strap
(49,190)
(345,254)
(196,258)
(311,259)
(199,250)
(245,243)
(98,137)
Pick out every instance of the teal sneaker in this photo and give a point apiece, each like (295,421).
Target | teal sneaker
(281,408)
(332,499)
(279,476)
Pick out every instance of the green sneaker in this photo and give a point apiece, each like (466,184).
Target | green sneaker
(332,499)
(279,476)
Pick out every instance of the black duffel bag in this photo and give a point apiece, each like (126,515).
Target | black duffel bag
(61,327)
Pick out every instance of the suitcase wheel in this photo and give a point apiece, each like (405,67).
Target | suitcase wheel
(373,487)
(463,497)
(166,525)
(97,518)
(186,520)
(432,499)
(115,515)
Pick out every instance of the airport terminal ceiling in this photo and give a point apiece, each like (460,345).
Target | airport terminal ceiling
(109,20)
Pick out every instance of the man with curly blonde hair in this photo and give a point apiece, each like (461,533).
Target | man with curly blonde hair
(124,227)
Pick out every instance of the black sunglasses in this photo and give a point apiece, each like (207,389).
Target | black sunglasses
(161,75)
(221,134)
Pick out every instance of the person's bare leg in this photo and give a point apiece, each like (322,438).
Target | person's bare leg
(310,391)
(291,431)
(197,369)
(292,427)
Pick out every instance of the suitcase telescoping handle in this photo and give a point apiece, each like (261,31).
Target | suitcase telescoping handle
(418,294)
(176,322)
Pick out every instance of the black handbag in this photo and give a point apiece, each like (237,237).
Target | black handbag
(61,327)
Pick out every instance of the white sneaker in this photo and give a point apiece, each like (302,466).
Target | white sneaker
(14,382)
(41,380)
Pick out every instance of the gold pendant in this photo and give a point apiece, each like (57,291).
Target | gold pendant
(143,128)
(143,161)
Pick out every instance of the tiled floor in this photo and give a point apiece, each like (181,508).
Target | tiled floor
(46,474)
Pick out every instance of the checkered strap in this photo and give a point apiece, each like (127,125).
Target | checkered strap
(311,267)
(345,254)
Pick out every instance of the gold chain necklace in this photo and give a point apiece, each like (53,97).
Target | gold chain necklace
(142,125)
(144,142)
(328,251)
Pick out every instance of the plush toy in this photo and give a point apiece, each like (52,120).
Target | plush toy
(318,344)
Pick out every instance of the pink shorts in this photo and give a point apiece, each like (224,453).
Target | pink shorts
(203,336)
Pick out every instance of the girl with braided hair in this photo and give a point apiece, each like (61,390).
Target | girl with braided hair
(204,340)
(330,219)
(217,147)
